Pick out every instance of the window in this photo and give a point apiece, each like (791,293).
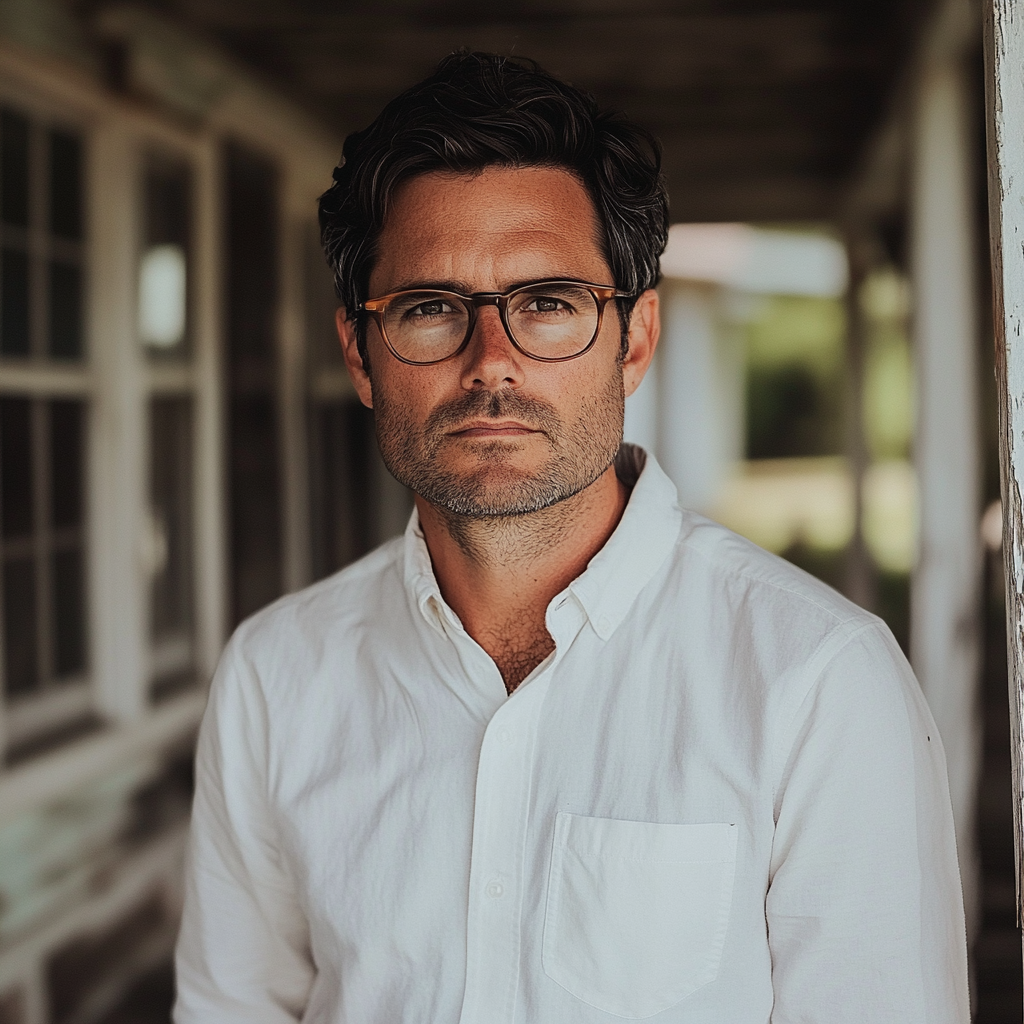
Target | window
(163,265)
(355,503)
(252,250)
(41,287)
(163,330)
(43,424)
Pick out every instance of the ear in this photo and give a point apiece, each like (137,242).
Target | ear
(353,360)
(644,331)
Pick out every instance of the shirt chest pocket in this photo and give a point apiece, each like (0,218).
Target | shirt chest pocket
(637,912)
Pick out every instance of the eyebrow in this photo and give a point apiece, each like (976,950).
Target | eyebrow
(430,286)
(463,287)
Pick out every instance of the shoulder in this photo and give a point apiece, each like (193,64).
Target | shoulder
(787,632)
(763,586)
(812,660)
(291,634)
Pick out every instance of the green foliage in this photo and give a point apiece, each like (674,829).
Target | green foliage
(794,392)
(796,376)
(788,329)
(888,372)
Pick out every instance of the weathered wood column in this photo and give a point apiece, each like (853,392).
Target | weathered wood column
(860,584)
(945,585)
(699,403)
(1004,53)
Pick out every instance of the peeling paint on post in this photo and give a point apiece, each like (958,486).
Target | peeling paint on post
(1004,58)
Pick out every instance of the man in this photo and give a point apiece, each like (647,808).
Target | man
(564,752)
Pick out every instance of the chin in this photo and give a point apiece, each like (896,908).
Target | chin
(501,490)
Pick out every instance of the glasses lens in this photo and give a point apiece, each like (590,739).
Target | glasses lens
(426,326)
(553,321)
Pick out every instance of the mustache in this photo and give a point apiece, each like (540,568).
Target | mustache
(494,405)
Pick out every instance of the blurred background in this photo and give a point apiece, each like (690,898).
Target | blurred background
(179,443)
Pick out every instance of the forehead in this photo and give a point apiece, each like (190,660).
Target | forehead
(489,230)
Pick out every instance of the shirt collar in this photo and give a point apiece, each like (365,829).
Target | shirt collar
(646,533)
(419,576)
(614,577)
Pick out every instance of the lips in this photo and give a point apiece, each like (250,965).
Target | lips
(494,414)
(492,429)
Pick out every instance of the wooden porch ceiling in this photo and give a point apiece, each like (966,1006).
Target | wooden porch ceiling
(763,106)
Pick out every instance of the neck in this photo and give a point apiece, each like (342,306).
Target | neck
(499,574)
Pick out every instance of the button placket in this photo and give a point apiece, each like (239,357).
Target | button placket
(499,832)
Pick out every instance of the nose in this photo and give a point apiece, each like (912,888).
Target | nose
(491,360)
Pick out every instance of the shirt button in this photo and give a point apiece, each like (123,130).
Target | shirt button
(604,623)
(506,737)
(495,890)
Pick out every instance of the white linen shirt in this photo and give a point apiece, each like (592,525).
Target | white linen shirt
(720,800)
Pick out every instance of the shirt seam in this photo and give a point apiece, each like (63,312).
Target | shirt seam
(815,676)
(756,577)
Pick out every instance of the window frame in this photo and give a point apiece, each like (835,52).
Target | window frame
(115,380)
(41,377)
(169,375)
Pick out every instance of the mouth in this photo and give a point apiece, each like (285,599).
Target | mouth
(492,429)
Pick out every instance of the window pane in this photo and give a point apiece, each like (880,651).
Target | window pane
(321,302)
(168,188)
(16,467)
(66,463)
(171,504)
(163,267)
(20,664)
(65,184)
(255,503)
(163,280)
(14,331)
(342,482)
(13,168)
(65,310)
(68,613)
(251,251)
(251,201)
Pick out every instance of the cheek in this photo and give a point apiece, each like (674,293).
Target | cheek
(407,393)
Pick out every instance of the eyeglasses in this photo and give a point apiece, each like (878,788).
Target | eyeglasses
(548,320)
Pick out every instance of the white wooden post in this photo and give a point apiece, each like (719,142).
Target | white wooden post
(944,622)
(118,595)
(860,576)
(1004,52)
(641,424)
(700,410)
(208,505)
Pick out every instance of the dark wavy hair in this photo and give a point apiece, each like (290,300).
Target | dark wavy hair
(480,110)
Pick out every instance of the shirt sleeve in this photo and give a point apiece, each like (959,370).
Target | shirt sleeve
(864,905)
(243,950)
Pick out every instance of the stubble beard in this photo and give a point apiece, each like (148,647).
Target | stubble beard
(580,451)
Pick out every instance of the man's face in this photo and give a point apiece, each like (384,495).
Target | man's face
(491,432)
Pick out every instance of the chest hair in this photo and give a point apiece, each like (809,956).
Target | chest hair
(518,649)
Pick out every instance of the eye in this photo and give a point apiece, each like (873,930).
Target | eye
(433,307)
(547,304)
